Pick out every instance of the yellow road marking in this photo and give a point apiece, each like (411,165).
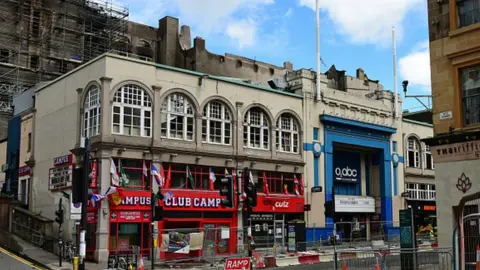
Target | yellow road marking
(20,259)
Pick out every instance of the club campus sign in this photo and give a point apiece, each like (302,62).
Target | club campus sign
(188,202)
(346,166)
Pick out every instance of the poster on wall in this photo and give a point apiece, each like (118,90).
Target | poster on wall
(346,166)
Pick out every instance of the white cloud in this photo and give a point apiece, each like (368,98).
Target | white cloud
(242,32)
(238,19)
(367,21)
(288,13)
(415,66)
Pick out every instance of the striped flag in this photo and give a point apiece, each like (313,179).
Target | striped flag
(167,196)
(211,176)
(297,185)
(114,174)
(145,170)
(158,176)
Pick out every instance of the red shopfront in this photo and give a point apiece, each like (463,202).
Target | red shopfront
(130,223)
(270,216)
(194,211)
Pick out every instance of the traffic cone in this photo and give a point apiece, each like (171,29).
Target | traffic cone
(377,267)
(344,266)
(140,263)
(478,257)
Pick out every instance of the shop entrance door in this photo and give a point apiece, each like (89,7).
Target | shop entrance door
(279,239)
(216,240)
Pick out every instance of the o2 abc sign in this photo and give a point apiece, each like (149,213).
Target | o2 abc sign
(345,173)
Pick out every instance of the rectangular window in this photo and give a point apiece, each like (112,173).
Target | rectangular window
(394,146)
(34,60)
(133,169)
(280,183)
(4,56)
(422,192)
(29,146)
(428,158)
(36,24)
(125,235)
(470,87)
(468,12)
(199,177)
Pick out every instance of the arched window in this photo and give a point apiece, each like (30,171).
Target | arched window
(427,157)
(91,113)
(413,150)
(256,129)
(216,123)
(287,134)
(132,111)
(177,119)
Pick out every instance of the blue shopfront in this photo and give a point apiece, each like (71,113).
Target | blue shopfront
(358,165)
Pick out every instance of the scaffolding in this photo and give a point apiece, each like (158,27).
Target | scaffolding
(43,39)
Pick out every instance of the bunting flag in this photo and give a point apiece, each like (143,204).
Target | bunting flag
(123,174)
(113,173)
(300,185)
(212,178)
(226,172)
(285,189)
(145,170)
(115,195)
(189,176)
(95,200)
(158,176)
(297,185)
(167,196)
(265,184)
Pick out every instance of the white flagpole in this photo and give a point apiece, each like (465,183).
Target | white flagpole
(395,91)
(317,13)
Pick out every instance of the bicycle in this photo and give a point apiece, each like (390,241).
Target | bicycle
(69,251)
(117,262)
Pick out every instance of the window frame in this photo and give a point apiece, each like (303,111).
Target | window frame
(462,97)
(199,173)
(207,119)
(293,131)
(145,179)
(426,194)
(168,111)
(427,154)
(146,106)
(248,126)
(273,178)
(416,152)
(458,16)
(93,106)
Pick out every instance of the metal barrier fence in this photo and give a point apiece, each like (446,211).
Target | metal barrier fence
(394,259)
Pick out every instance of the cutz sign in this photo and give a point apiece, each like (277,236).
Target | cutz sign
(277,204)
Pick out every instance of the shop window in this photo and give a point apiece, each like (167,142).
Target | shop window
(287,137)
(428,158)
(280,183)
(198,177)
(468,12)
(132,111)
(91,115)
(125,235)
(177,119)
(133,168)
(413,150)
(256,129)
(216,124)
(470,85)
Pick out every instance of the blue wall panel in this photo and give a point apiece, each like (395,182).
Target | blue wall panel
(13,150)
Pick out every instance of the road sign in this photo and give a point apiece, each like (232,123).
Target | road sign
(317,189)
(237,264)
(75,211)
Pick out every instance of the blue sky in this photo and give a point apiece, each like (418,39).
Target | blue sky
(353,33)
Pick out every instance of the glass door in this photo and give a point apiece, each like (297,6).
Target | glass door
(279,234)
(209,243)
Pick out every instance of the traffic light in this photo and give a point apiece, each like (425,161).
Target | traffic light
(59,213)
(227,190)
(157,213)
(77,186)
(249,188)
(330,206)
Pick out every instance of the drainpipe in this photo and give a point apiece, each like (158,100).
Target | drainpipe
(317,12)
(395,98)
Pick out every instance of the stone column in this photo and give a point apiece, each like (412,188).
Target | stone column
(238,131)
(103,222)
(156,114)
(106,113)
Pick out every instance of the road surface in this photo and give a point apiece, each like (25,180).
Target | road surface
(9,261)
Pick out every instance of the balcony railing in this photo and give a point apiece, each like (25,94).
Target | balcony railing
(421,195)
(469,17)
